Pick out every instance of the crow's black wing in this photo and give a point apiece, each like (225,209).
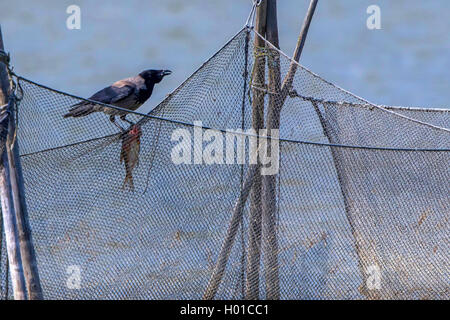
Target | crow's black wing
(112,94)
(119,91)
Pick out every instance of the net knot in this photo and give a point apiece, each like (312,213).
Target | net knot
(261,53)
(5,57)
(271,53)
(15,94)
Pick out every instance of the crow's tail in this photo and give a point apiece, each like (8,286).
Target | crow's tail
(80,110)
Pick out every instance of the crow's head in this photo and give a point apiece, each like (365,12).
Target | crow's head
(154,76)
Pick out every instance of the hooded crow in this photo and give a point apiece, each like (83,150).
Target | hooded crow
(128,93)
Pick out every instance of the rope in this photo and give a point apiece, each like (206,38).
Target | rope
(294,94)
(370,106)
(258,54)
(243,252)
(264,90)
(187,124)
(5,58)
(16,93)
(345,91)
(251,17)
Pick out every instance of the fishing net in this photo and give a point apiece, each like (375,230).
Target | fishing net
(360,202)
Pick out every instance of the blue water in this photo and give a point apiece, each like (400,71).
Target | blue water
(404,63)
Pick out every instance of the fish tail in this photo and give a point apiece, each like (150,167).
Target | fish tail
(128,181)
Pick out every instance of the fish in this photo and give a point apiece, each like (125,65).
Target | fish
(129,154)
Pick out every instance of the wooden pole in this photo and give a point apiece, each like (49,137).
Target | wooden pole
(270,237)
(288,80)
(236,217)
(277,98)
(219,268)
(254,236)
(29,265)
(8,212)
(11,233)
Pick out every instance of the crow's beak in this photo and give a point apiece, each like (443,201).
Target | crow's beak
(167,72)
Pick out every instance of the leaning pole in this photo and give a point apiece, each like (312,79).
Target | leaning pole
(21,255)
(273,121)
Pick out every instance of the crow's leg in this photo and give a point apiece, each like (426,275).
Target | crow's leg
(113,120)
(123,118)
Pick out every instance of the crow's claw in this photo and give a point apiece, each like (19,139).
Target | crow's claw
(113,120)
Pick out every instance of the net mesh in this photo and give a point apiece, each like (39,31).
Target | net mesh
(361,202)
